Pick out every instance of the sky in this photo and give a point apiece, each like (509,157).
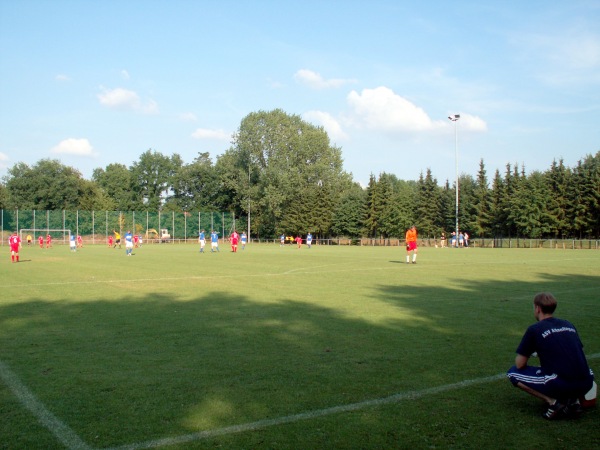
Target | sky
(92,83)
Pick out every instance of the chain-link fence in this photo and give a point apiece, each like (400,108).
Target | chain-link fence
(95,226)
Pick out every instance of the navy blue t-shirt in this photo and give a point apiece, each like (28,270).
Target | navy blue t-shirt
(558,346)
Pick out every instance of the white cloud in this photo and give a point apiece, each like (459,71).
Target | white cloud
(472,123)
(125,74)
(3,160)
(77,147)
(62,77)
(328,122)
(205,133)
(126,100)
(316,81)
(188,117)
(382,109)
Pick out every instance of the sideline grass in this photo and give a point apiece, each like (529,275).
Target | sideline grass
(171,342)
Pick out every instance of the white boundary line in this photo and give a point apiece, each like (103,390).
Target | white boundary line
(261,424)
(62,432)
(73,442)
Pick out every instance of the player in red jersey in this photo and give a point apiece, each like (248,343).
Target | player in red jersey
(299,241)
(234,241)
(15,243)
(48,241)
(41,241)
(79,241)
(110,240)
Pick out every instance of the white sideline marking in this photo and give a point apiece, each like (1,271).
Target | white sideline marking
(62,432)
(72,441)
(260,424)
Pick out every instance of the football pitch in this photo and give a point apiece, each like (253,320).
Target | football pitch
(280,348)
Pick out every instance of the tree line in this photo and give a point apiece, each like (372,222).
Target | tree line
(285,173)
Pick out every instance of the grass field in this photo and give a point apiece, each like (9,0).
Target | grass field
(279,348)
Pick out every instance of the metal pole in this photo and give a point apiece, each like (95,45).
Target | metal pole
(455,120)
(456,158)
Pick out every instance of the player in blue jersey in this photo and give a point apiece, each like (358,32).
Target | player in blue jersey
(244,240)
(128,243)
(309,240)
(214,241)
(202,240)
(564,375)
(72,243)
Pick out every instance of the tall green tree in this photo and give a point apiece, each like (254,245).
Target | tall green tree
(428,204)
(288,161)
(467,220)
(447,209)
(47,185)
(152,177)
(529,207)
(558,179)
(349,213)
(196,185)
(497,214)
(584,195)
(481,205)
(117,183)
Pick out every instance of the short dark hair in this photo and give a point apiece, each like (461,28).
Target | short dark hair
(546,302)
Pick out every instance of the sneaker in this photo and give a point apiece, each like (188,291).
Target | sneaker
(554,411)
(573,409)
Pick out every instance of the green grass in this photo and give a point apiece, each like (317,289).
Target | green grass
(170,343)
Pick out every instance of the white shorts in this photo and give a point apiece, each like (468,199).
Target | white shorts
(202,242)
(214,244)
(128,244)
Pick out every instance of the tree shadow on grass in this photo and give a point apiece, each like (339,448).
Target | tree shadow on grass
(147,367)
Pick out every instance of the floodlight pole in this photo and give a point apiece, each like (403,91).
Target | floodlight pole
(249,240)
(455,120)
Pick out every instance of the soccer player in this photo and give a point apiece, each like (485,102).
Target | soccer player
(41,241)
(202,240)
(136,240)
(110,241)
(244,240)
(299,241)
(29,240)
(79,241)
(14,241)
(564,375)
(309,240)
(117,239)
(214,241)
(72,243)
(234,241)
(411,245)
(48,241)
(282,240)
(443,240)
(128,243)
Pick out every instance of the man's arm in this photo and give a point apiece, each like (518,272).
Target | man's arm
(521,361)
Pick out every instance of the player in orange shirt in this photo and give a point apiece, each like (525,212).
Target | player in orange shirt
(411,245)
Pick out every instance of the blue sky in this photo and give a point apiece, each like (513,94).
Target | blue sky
(98,82)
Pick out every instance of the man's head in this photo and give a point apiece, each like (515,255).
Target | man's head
(546,303)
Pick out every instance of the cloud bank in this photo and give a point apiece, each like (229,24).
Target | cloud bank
(72,146)
(126,100)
